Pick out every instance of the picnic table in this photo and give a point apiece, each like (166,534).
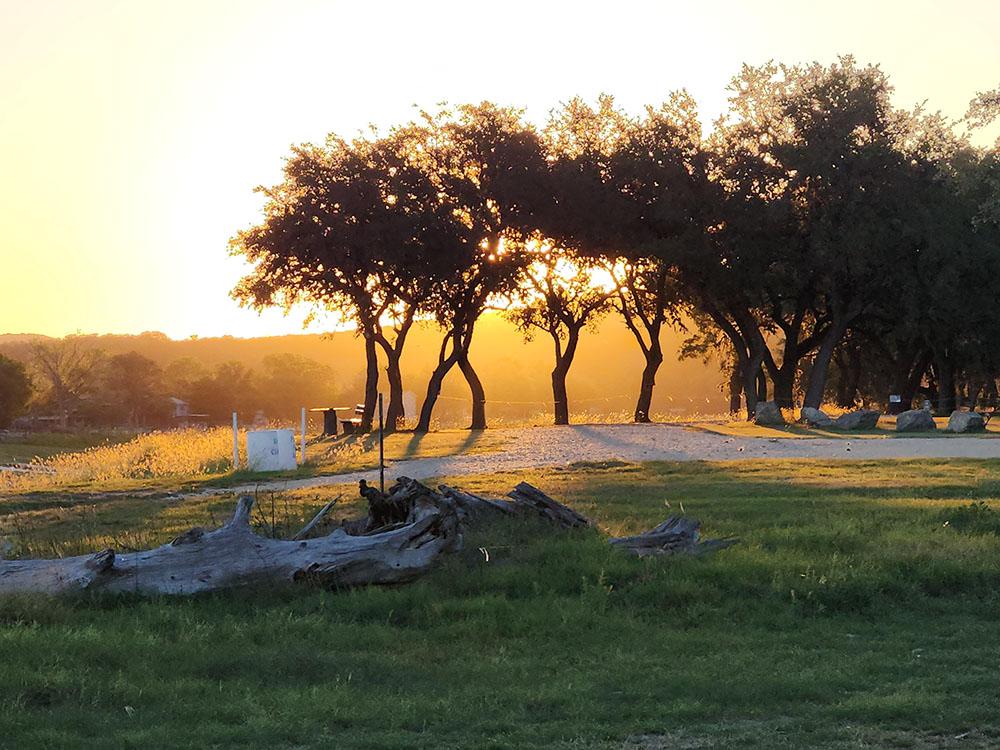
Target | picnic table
(330,419)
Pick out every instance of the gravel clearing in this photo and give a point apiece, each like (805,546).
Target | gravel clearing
(535,447)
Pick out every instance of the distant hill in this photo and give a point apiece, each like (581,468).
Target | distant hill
(604,378)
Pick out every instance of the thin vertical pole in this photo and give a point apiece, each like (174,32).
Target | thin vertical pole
(381,447)
(236,444)
(302,440)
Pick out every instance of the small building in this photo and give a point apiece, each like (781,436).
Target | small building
(182,408)
(181,415)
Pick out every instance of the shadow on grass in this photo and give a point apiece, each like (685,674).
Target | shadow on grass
(473,438)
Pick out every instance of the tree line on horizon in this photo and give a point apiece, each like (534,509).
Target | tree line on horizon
(823,242)
(275,376)
(69,383)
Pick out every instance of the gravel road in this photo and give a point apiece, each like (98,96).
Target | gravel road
(559,446)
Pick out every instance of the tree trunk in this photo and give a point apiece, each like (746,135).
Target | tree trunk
(975,390)
(371,383)
(564,360)
(395,412)
(654,358)
(750,382)
(916,367)
(784,377)
(754,380)
(560,397)
(434,390)
(784,385)
(735,389)
(738,380)
(761,385)
(476,390)
(946,385)
(848,364)
(821,365)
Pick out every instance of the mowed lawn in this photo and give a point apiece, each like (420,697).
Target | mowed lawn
(860,610)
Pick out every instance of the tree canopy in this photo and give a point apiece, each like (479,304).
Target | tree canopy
(815,229)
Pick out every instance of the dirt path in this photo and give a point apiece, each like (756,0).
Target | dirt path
(559,446)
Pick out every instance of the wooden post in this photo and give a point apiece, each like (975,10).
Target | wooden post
(381,447)
(302,439)
(236,444)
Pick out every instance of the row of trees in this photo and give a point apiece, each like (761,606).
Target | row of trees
(819,239)
(129,389)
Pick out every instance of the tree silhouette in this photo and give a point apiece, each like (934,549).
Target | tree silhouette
(341,233)
(559,295)
(487,167)
(15,389)
(629,193)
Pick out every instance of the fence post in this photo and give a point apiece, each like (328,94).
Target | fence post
(302,439)
(381,448)
(236,444)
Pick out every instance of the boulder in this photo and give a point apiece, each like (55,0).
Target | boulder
(862,419)
(769,413)
(815,417)
(915,420)
(966,421)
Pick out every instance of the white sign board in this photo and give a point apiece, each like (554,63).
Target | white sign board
(271,450)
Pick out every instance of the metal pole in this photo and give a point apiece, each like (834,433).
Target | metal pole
(303,433)
(381,448)
(236,444)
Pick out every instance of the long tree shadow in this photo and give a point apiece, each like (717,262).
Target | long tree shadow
(472,438)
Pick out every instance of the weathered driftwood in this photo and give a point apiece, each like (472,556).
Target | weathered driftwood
(533,498)
(676,535)
(524,498)
(316,520)
(234,555)
(405,532)
(473,507)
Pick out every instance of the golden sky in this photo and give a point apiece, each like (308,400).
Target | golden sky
(132,133)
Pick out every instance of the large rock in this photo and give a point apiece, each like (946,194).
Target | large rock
(966,421)
(915,420)
(815,417)
(768,413)
(862,419)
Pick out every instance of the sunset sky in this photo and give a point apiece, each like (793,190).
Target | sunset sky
(133,133)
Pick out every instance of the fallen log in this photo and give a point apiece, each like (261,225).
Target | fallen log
(234,555)
(470,506)
(676,535)
(531,498)
(406,531)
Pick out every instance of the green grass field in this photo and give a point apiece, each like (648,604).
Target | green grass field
(860,610)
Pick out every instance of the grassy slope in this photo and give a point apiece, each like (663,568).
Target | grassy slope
(343,454)
(851,616)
